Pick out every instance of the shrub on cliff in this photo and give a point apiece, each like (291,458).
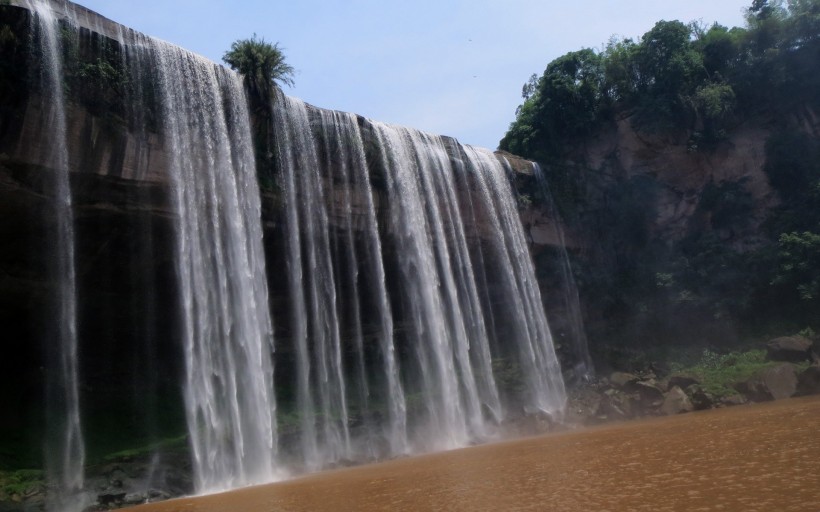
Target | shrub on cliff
(799,257)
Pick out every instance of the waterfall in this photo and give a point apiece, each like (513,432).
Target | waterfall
(344,153)
(415,261)
(321,386)
(227,333)
(227,330)
(66,449)
(571,301)
(437,277)
(522,298)
(395,265)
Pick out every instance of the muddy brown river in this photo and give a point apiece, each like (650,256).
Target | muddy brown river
(748,458)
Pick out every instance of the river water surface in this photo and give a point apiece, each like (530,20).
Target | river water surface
(748,458)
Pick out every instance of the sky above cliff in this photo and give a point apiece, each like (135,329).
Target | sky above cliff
(453,67)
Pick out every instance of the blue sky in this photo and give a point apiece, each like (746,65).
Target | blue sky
(452,67)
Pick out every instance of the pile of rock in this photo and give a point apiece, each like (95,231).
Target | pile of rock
(785,380)
(623,395)
(131,481)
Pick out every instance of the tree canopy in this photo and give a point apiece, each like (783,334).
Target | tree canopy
(262,64)
(676,77)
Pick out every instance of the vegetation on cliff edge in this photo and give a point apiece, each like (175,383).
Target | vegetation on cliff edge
(676,77)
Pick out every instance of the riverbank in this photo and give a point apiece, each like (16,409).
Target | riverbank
(754,458)
(640,387)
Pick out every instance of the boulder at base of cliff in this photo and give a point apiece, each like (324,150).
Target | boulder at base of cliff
(771,383)
(615,405)
(682,380)
(792,349)
(731,400)
(622,379)
(675,402)
(649,394)
(808,382)
(583,404)
(700,398)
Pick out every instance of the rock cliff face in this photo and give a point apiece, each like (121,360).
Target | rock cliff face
(676,187)
(681,172)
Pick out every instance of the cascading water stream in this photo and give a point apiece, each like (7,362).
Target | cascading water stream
(530,331)
(572,303)
(227,331)
(321,386)
(346,160)
(66,449)
(415,166)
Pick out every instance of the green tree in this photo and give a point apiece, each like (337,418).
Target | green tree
(793,165)
(530,87)
(564,103)
(669,70)
(620,69)
(765,20)
(570,93)
(764,10)
(714,104)
(101,85)
(799,255)
(720,48)
(804,21)
(523,136)
(666,58)
(261,63)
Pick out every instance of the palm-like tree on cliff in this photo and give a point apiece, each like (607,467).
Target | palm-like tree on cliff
(261,63)
(264,67)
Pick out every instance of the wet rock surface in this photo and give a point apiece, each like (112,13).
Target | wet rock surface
(133,481)
(772,383)
(676,402)
(701,399)
(808,382)
(794,349)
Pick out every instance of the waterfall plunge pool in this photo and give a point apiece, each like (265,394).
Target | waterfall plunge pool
(762,457)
